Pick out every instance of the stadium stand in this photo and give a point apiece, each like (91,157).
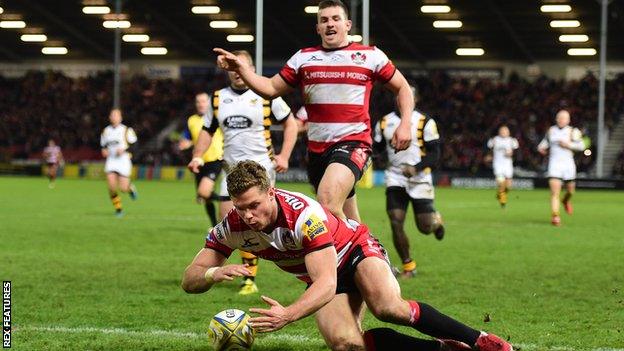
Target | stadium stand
(74,110)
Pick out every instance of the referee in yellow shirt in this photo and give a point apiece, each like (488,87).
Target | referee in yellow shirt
(208,173)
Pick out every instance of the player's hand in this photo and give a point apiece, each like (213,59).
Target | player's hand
(120,151)
(184,144)
(409,170)
(281,163)
(542,151)
(227,60)
(194,165)
(105,153)
(402,137)
(275,318)
(228,272)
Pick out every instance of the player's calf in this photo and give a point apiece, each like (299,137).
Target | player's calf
(428,223)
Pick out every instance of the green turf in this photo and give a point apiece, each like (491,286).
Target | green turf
(85,280)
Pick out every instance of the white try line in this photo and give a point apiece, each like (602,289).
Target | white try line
(274,336)
(156,333)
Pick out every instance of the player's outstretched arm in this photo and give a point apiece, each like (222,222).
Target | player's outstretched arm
(290,138)
(321,267)
(203,143)
(405,102)
(206,270)
(268,88)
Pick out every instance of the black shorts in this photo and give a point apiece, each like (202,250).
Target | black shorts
(398,199)
(367,246)
(353,154)
(209,170)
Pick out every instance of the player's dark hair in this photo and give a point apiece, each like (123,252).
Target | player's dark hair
(244,176)
(333,3)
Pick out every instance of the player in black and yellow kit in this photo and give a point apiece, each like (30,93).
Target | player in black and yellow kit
(208,173)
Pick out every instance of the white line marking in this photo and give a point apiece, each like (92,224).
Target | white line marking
(274,336)
(163,333)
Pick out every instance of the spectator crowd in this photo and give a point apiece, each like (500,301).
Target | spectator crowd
(41,105)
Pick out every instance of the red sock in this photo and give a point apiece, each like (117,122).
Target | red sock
(414,312)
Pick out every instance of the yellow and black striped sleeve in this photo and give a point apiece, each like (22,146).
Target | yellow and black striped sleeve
(214,124)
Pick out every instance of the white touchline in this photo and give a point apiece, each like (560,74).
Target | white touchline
(274,336)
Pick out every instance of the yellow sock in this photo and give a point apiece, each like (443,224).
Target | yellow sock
(503,198)
(116,200)
(409,266)
(252,261)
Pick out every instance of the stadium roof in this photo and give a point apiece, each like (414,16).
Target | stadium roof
(513,30)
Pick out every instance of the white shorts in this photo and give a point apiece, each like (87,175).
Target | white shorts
(563,170)
(422,189)
(223,193)
(503,172)
(119,165)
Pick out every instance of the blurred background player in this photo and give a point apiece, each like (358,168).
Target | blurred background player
(245,119)
(208,173)
(336,79)
(53,157)
(408,179)
(560,142)
(115,141)
(503,147)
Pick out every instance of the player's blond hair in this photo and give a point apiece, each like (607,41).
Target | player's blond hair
(244,53)
(244,176)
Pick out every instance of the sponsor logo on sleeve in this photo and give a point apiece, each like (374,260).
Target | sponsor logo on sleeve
(314,227)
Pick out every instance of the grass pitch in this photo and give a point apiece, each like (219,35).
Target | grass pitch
(85,280)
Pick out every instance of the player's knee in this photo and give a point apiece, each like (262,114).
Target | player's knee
(385,312)
(204,193)
(329,202)
(396,223)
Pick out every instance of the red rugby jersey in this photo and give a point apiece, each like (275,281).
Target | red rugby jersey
(302,226)
(336,86)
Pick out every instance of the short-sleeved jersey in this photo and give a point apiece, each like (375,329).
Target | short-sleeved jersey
(52,154)
(336,87)
(501,146)
(302,226)
(302,114)
(113,138)
(245,119)
(424,130)
(194,125)
(559,154)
